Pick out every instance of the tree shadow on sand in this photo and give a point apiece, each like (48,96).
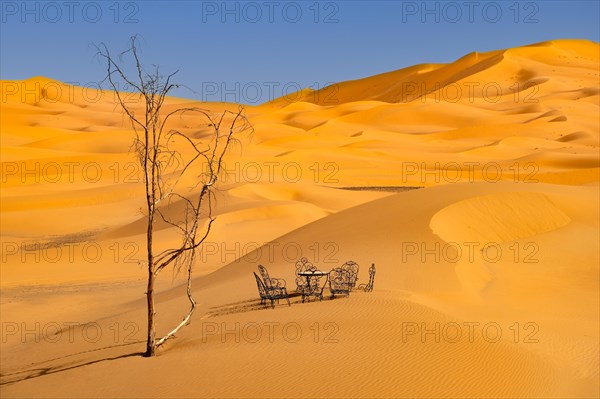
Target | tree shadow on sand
(38,369)
(42,368)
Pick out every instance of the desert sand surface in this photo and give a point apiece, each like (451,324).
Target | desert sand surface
(472,186)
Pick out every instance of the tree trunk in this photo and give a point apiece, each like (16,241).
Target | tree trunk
(150,347)
(150,343)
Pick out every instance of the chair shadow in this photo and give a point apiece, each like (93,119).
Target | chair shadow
(38,371)
(251,305)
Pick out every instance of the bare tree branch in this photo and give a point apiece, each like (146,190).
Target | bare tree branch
(164,166)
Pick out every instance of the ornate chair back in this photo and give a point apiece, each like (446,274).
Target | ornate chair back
(262,291)
(352,269)
(369,287)
(303,265)
(339,281)
(265,275)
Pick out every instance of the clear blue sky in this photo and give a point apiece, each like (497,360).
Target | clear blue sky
(269,46)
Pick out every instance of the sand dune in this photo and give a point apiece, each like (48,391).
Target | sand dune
(498,218)
(487,277)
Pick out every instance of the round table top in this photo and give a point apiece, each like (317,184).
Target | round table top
(313,273)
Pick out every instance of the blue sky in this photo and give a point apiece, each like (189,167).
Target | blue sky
(249,51)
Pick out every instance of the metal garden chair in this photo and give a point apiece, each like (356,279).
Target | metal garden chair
(369,287)
(271,294)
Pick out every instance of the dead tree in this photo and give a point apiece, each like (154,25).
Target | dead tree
(160,151)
